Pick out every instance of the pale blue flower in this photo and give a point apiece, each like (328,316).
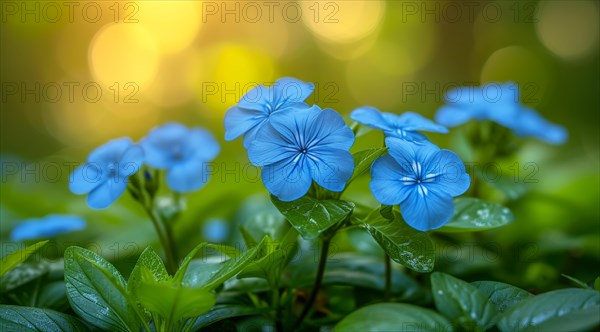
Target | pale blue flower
(215,230)
(46,227)
(184,152)
(255,108)
(104,175)
(299,147)
(405,126)
(498,103)
(421,178)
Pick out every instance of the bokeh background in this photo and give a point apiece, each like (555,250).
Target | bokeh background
(76,74)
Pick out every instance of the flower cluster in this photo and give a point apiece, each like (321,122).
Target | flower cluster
(498,103)
(295,143)
(179,150)
(416,174)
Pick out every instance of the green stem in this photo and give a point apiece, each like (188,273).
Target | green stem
(388,278)
(277,306)
(166,238)
(318,281)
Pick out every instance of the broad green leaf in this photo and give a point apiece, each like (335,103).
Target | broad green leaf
(363,160)
(149,262)
(15,258)
(581,320)
(357,270)
(229,251)
(224,311)
(22,274)
(18,318)
(472,215)
(200,271)
(461,301)
(96,291)
(178,277)
(393,317)
(310,216)
(507,185)
(235,265)
(565,304)
(504,296)
(402,243)
(174,302)
(249,240)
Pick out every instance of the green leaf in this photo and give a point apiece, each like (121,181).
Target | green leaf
(597,284)
(580,320)
(148,263)
(504,296)
(461,301)
(393,317)
(507,185)
(571,305)
(224,311)
(96,291)
(404,244)
(310,216)
(363,161)
(22,274)
(174,302)
(473,215)
(15,258)
(178,277)
(277,257)
(577,282)
(18,318)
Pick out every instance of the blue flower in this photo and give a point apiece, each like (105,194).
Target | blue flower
(298,147)
(403,126)
(422,179)
(256,107)
(498,103)
(493,101)
(49,226)
(529,123)
(104,175)
(215,230)
(183,152)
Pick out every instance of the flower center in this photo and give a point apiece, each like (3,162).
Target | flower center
(303,150)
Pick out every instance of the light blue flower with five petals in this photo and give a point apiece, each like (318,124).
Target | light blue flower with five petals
(256,107)
(422,179)
(298,147)
(104,175)
(405,126)
(46,227)
(184,152)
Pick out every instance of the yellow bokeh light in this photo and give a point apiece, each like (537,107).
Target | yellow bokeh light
(342,21)
(122,53)
(570,29)
(222,74)
(173,24)
(517,64)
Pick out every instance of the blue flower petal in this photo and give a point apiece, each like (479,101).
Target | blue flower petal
(49,226)
(411,121)
(288,180)
(202,144)
(291,90)
(86,177)
(106,193)
(256,99)
(187,176)
(329,129)
(424,211)
(445,173)
(370,116)
(160,142)
(295,126)
(270,147)
(239,121)
(110,152)
(215,230)
(452,116)
(331,168)
(386,184)
(131,161)
(406,153)
(531,123)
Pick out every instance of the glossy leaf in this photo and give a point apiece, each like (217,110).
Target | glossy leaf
(15,258)
(18,318)
(404,244)
(393,317)
(96,291)
(310,216)
(174,302)
(148,262)
(472,215)
(461,302)
(504,296)
(363,161)
(224,311)
(571,304)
